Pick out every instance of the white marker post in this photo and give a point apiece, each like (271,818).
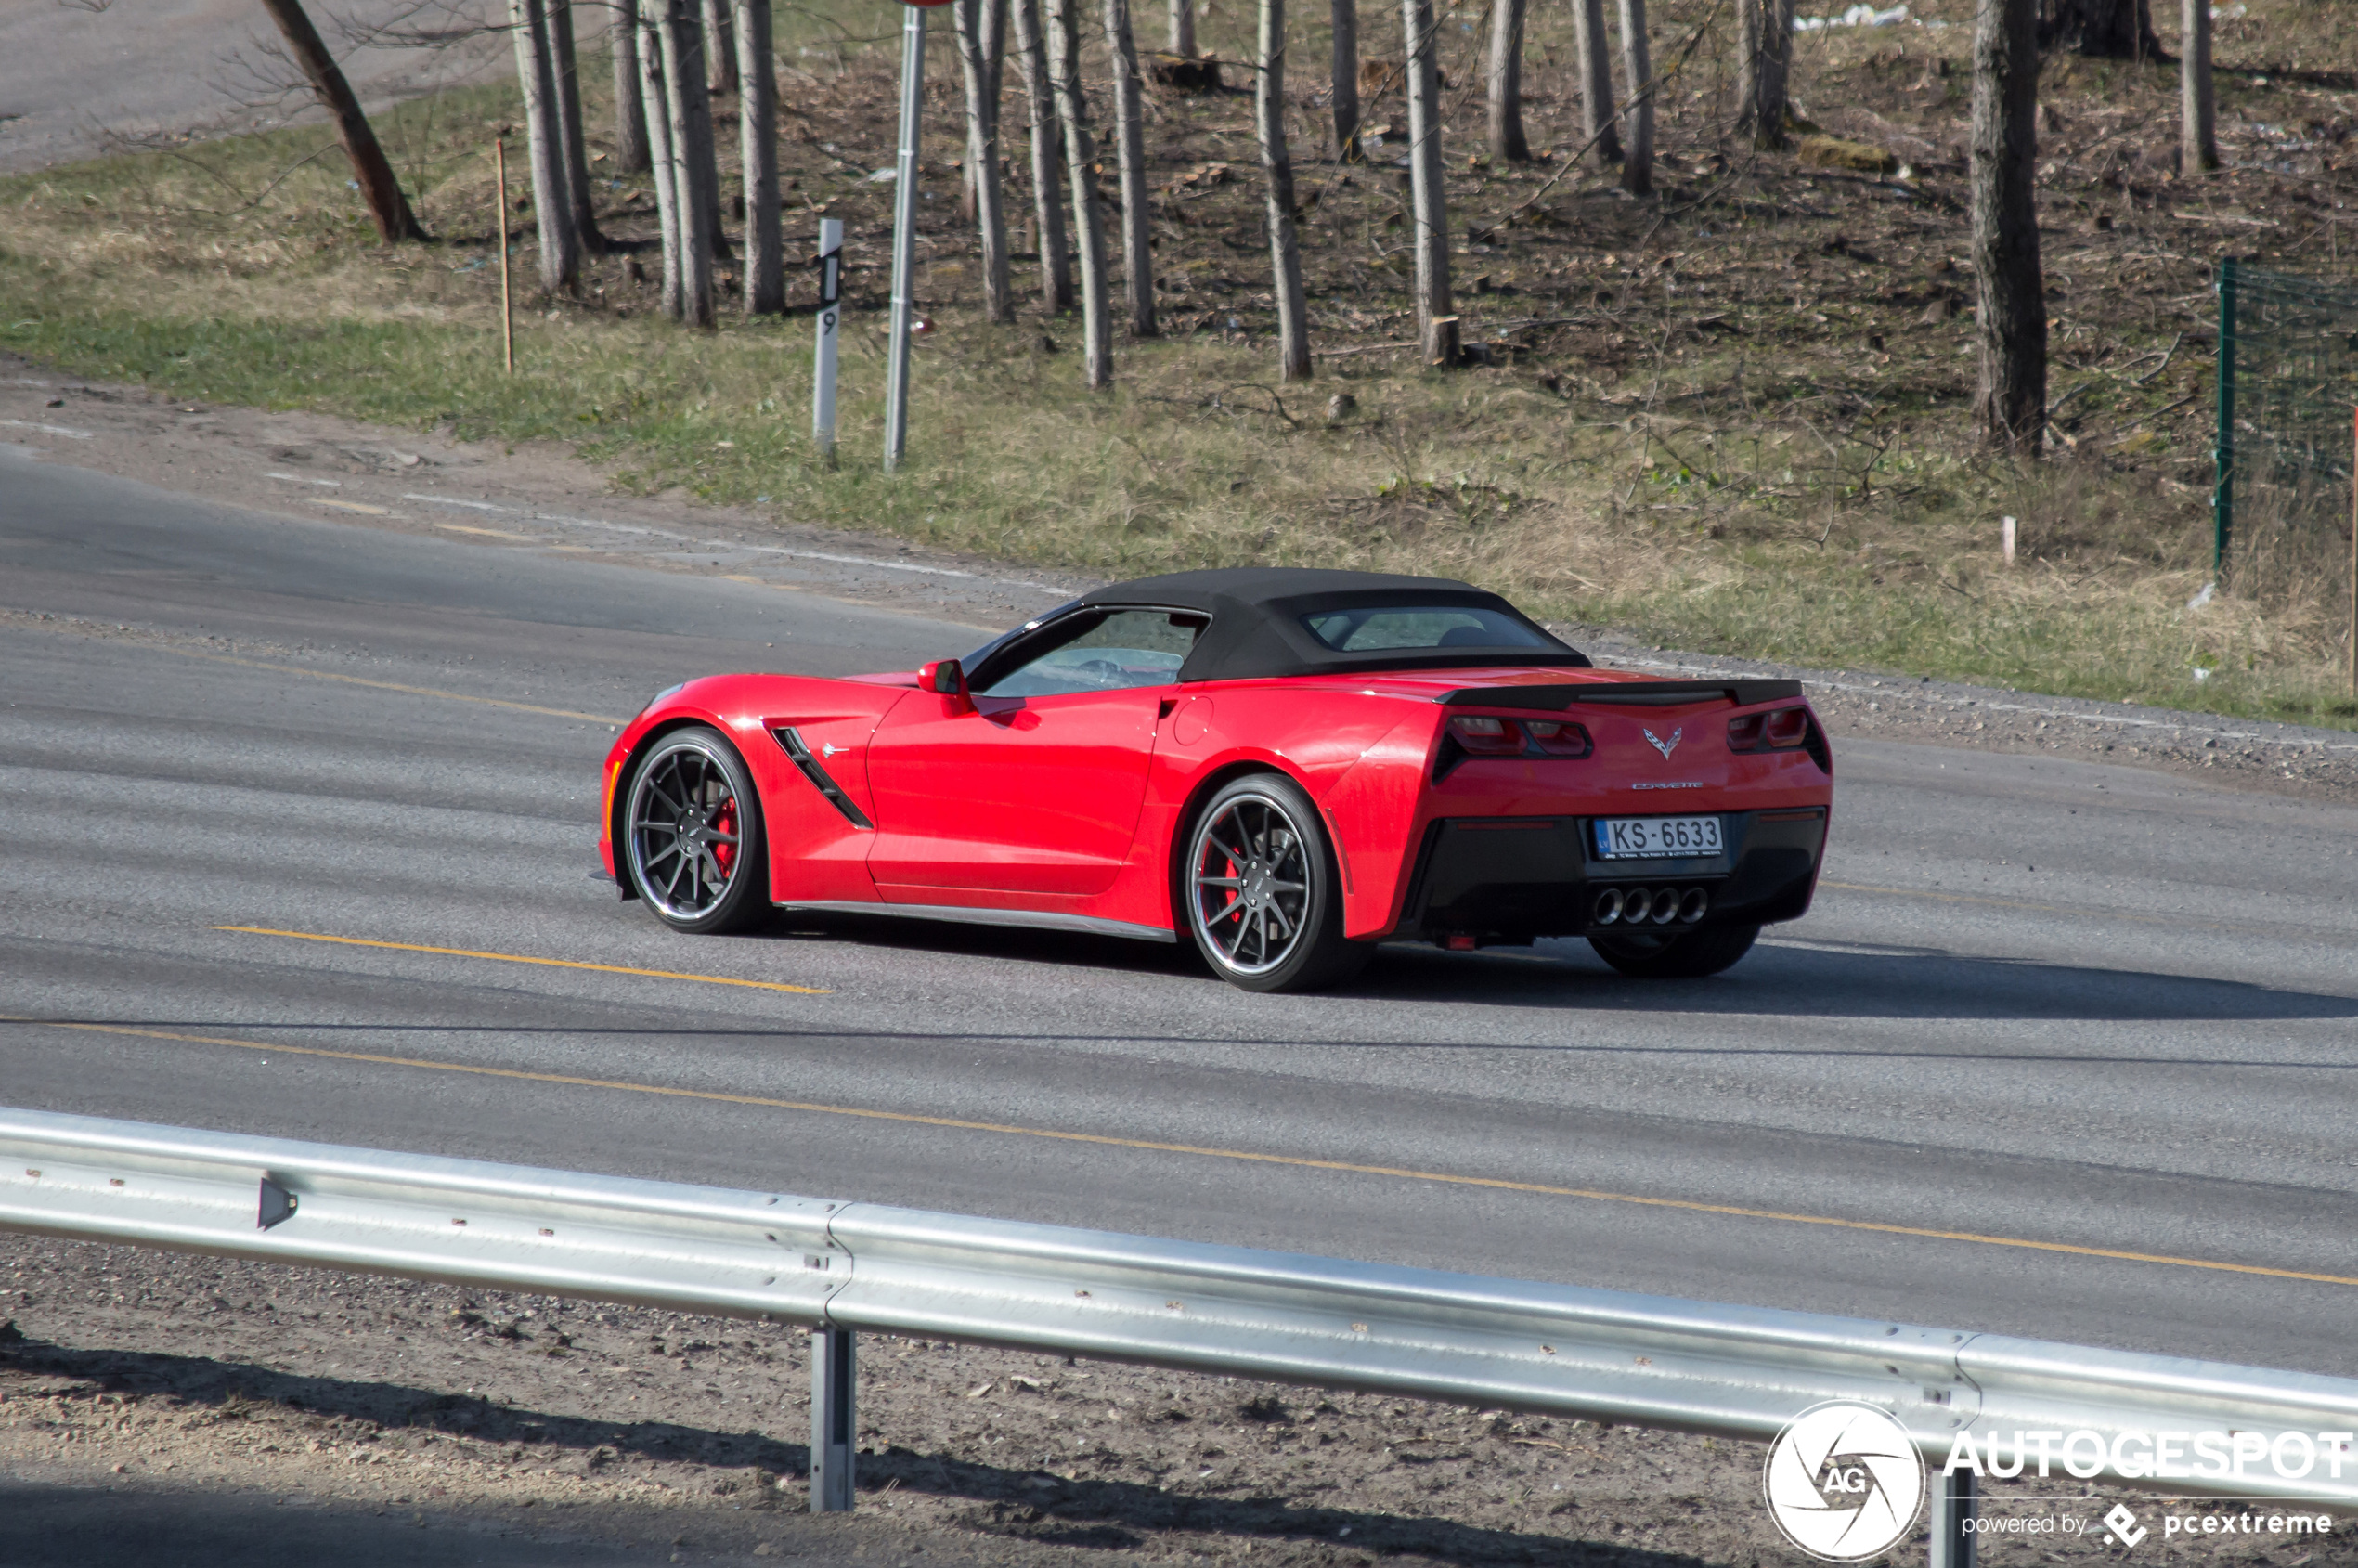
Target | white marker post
(823,377)
(904,230)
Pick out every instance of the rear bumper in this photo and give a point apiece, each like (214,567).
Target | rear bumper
(1508,879)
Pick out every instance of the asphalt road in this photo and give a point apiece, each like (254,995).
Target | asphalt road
(2055,1013)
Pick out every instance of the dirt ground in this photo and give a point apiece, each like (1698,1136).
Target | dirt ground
(409,1421)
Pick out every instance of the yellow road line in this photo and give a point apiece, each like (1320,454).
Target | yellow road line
(520,958)
(395,686)
(1202,1151)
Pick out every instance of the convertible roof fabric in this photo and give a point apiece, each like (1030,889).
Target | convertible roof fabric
(1256,630)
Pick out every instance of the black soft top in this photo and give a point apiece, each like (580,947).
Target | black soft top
(1256,628)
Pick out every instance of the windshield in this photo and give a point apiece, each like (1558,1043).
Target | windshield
(1422,626)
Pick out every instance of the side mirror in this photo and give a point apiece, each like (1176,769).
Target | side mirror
(947,677)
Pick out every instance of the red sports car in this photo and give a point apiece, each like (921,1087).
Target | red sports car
(1288,767)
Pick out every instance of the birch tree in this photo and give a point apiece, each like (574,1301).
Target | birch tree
(983,29)
(695,178)
(629,109)
(1130,151)
(2197,112)
(1073,114)
(371,172)
(1637,72)
(1436,320)
(1277,167)
(757,150)
(552,194)
(2010,402)
(720,60)
(1343,20)
(1596,80)
(1763,56)
(1183,28)
(654,97)
(1503,80)
(1048,212)
(560,40)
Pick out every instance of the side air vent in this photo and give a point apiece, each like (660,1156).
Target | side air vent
(793,744)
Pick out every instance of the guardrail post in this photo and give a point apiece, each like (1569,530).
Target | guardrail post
(835,1420)
(1954,1499)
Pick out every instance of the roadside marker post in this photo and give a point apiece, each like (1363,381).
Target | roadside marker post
(823,381)
(2353,562)
(904,228)
(507,305)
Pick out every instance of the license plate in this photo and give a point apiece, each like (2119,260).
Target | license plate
(1630,838)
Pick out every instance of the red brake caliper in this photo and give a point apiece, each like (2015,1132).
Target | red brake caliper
(725,855)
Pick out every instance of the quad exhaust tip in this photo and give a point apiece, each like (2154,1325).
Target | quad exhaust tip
(1655,906)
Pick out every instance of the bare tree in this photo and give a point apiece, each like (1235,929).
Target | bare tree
(1048,212)
(1344,16)
(1130,151)
(1637,71)
(1763,55)
(2010,403)
(378,186)
(1072,113)
(721,60)
(584,215)
(1183,28)
(629,109)
(552,193)
(2198,111)
(758,148)
(1504,80)
(695,178)
(1277,167)
(1596,80)
(655,94)
(982,30)
(1436,319)
(2108,29)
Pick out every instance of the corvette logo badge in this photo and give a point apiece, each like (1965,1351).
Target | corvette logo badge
(1666,746)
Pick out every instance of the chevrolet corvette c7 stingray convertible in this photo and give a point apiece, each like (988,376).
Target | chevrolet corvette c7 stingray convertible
(1283,767)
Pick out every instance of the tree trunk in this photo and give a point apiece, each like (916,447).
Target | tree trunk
(1277,166)
(1504,80)
(1344,16)
(654,98)
(696,182)
(1183,28)
(629,109)
(1763,49)
(757,147)
(1129,151)
(1072,113)
(1436,319)
(585,216)
(981,32)
(1048,212)
(378,186)
(2198,111)
(1596,80)
(720,59)
(2107,29)
(551,197)
(1637,70)
(2011,402)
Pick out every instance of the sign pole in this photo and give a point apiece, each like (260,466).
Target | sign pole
(904,234)
(823,378)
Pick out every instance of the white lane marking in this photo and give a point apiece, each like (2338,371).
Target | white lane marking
(23,380)
(305,479)
(352,506)
(47,429)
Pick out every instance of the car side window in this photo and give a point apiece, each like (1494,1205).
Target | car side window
(1103,652)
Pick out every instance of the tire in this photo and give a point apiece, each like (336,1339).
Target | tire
(691,837)
(1690,956)
(1258,891)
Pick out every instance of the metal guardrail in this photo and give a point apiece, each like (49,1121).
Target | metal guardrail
(843,1267)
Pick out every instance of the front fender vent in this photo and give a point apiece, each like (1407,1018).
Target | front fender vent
(795,748)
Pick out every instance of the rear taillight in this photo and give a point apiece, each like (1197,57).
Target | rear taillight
(1488,737)
(1480,735)
(1785,729)
(1557,738)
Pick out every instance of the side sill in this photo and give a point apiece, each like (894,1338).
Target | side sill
(960,914)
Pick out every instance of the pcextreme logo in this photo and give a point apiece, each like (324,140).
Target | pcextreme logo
(1843,1481)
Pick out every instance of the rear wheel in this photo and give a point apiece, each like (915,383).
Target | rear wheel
(1258,892)
(691,835)
(1688,955)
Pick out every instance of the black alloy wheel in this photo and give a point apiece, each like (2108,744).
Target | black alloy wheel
(691,835)
(1258,890)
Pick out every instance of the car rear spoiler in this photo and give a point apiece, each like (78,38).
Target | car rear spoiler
(1630,694)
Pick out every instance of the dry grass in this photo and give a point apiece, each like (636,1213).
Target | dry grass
(1731,417)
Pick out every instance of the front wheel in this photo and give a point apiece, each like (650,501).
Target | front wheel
(1688,955)
(691,835)
(1258,889)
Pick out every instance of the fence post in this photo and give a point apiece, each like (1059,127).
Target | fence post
(833,1419)
(1954,1496)
(2222,451)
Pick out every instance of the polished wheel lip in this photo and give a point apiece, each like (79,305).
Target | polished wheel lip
(683,822)
(1250,862)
